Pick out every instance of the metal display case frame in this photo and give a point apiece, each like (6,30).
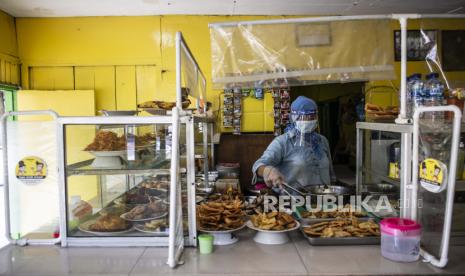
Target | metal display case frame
(70,170)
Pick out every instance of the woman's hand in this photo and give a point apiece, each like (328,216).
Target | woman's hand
(272,177)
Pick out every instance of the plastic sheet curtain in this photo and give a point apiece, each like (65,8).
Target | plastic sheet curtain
(301,53)
(442,39)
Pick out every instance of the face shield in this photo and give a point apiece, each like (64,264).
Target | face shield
(304,118)
(305,124)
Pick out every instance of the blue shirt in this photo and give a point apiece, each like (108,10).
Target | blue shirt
(299,165)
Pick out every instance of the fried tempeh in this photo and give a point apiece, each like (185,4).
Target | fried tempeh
(343,228)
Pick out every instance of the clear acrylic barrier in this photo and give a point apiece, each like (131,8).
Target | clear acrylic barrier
(434,142)
(191,77)
(31,186)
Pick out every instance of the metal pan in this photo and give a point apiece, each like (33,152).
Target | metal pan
(329,190)
(339,241)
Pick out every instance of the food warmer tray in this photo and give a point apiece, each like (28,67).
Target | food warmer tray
(309,221)
(339,241)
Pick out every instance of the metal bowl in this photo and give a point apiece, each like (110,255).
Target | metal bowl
(381,188)
(329,190)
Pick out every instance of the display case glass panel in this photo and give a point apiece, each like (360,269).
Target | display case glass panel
(118,179)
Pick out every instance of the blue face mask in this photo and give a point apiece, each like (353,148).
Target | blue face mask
(306,126)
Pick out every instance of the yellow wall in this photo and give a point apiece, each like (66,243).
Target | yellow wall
(9,62)
(128,60)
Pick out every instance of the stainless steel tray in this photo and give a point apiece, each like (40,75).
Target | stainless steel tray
(338,241)
(308,221)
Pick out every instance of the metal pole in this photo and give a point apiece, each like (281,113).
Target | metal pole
(333,18)
(402,119)
(178,71)
(300,20)
(358,174)
(173,188)
(190,161)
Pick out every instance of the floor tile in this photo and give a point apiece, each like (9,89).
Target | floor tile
(244,257)
(456,262)
(53,260)
(353,260)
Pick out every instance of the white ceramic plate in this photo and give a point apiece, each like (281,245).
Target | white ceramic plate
(162,215)
(84,227)
(108,153)
(251,226)
(141,228)
(222,231)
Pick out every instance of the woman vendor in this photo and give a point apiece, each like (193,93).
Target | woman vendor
(300,157)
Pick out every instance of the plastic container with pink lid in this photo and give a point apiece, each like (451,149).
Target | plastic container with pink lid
(400,239)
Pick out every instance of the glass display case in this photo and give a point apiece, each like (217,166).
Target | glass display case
(380,169)
(116,176)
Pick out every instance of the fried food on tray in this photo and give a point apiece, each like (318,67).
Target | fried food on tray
(154,209)
(273,221)
(220,215)
(155,184)
(148,104)
(377,112)
(346,212)
(109,141)
(163,105)
(230,193)
(166,105)
(342,228)
(135,197)
(109,223)
(105,141)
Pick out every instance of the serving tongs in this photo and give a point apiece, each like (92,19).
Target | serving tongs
(292,196)
(292,188)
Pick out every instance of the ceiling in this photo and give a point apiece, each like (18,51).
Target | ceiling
(66,8)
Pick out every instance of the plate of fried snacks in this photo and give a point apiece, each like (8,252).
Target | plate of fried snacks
(106,225)
(273,222)
(222,215)
(272,227)
(221,218)
(342,232)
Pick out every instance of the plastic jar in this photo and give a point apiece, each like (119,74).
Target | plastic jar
(400,239)
(205,243)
